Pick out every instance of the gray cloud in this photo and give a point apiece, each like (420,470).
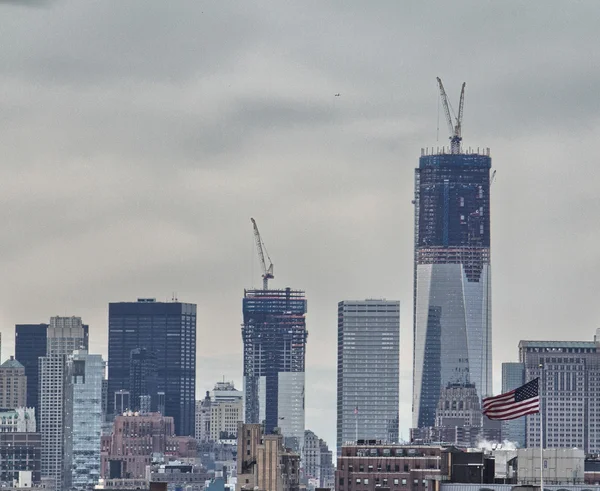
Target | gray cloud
(139,138)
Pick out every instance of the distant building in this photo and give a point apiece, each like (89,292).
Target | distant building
(368,371)
(82,420)
(143,379)
(30,345)
(135,438)
(21,420)
(569,373)
(513,376)
(264,462)
(226,410)
(203,413)
(20,451)
(274,336)
(179,476)
(64,335)
(311,456)
(13,385)
(327,478)
(122,402)
(167,329)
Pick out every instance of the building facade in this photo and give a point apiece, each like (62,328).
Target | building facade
(143,379)
(64,335)
(513,376)
(30,345)
(167,329)
(569,373)
(13,385)
(82,420)
(452,278)
(274,336)
(368,371)
(20,451)
(20,420)
(203,413)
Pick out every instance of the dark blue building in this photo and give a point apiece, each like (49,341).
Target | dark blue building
(274,335)
(168,330)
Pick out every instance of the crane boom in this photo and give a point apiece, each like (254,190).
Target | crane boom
(455,127)
(262,250)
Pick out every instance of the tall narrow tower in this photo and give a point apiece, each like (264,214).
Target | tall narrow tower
(452,276)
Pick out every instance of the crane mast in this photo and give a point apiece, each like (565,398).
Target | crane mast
(262,250)
(455,127)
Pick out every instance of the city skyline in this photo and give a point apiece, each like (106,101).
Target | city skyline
(134,174)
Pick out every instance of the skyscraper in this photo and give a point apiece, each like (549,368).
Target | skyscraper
(82,420)
(143,379)
(452,278)
(64,335)
(13,385)
(274,335)
(30,345)
(168,329)
(513,376)
(368,368)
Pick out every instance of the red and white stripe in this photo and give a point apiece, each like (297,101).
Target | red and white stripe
(505,407)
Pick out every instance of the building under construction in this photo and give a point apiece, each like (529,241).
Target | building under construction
(452,284)
(274,335)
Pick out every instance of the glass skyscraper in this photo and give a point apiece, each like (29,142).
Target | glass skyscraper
(452,278)
(274,335)
(168,330)
(513,376)
(82,420)
(368,371)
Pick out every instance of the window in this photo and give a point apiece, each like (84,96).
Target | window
(403,482)
(396,481)
(366,481)
(357,480)
(341,481)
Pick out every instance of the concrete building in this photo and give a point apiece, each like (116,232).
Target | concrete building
(274,336)
(311,456)
(20,452)
(135,438)
(452,277)
(64,335)
(327,477)
(513,376)
(82,420)
(561,466)
(21,420)
(202,423)
(368,371)
(370,466)
(167,329)
(224,418)
(179,476)
(13,384)
(569,373)
(264,462)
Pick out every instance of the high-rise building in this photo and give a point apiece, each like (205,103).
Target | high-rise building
(143,379)
(203,413)
(167,329)
(274,335)
(513,376)
(452,278)
(64,335)
(30,345)
(226,410)
(368,370)
(13,385)
(82,420)
(569,373)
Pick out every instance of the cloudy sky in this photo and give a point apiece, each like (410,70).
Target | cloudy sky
(139,137)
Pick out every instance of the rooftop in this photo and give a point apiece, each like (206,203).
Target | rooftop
(557,344)
(11,363)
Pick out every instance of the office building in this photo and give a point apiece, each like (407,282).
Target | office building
(513,376)
(311,458)
(13,385)
(30,345)
(82,420)
(143,379)
(64,335)
(20,452)
(226,392)
(368,371)
(452,278)
(167,329)
(274,336)
(569,373)
(122,402)
(264,462)
(203,412)
(135,438)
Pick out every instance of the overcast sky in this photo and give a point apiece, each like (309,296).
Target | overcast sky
(139,137)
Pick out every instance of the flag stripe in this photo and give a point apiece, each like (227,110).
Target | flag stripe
(516,413)
(510,396)
(514,408)
(514,404)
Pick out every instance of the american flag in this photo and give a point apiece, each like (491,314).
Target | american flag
(514,404)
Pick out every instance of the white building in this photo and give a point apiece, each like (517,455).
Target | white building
(65,334)
(21,420)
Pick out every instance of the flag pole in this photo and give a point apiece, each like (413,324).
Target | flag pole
(541,383)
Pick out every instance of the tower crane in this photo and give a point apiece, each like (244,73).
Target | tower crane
(455,126)
(262,250)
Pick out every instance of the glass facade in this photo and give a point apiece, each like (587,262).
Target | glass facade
(168,329)
(30,345)
(274,335)
(513,376)
(83,420)
(368,371)
(452,283)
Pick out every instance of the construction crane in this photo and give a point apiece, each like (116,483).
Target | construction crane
(455,126)
(262,250)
